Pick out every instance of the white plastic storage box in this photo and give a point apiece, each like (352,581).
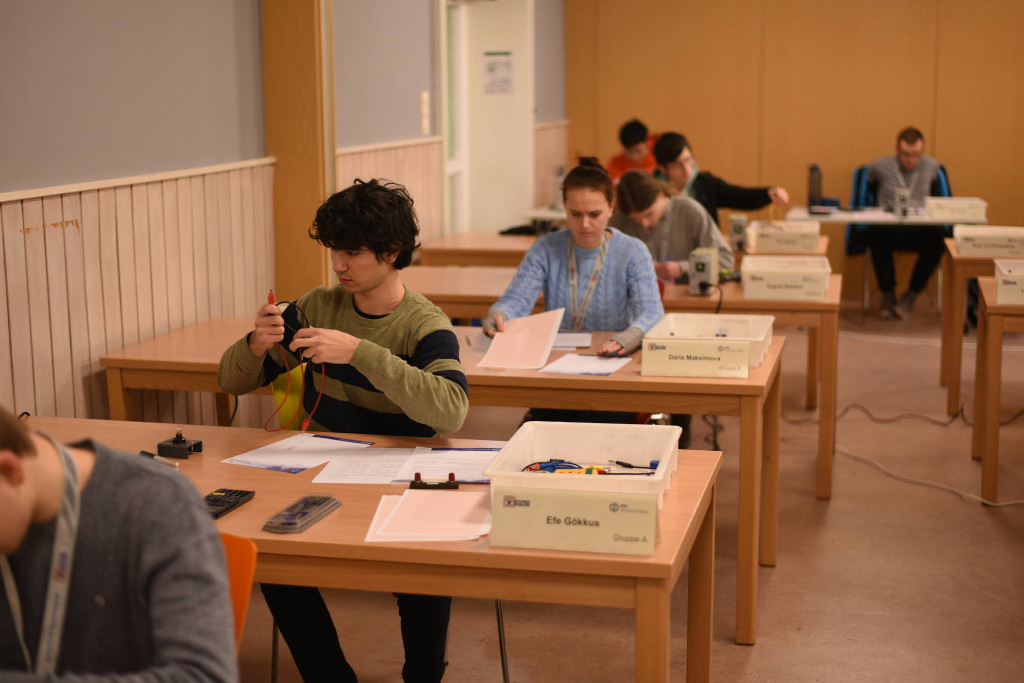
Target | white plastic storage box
(783,237)
(1009,281)
(593,512)
(789,278)
(706,345)
(955,209)
(989,240)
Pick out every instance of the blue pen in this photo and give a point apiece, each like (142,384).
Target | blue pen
(338,438)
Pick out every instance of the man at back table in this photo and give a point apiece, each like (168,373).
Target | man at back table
(909,170)
(678,167)
(389,363)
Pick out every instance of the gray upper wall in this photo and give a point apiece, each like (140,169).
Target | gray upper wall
(113,88)
(549,65)
(383,60)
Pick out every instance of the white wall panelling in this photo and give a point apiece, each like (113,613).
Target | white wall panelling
(550,152)
(418,164)
(91,268)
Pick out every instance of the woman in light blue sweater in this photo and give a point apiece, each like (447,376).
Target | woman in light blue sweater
(603,278)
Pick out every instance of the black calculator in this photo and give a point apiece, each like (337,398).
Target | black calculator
(222,501)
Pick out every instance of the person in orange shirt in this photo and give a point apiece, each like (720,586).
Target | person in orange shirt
(637,150)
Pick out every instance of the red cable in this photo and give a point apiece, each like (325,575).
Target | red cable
(288,387)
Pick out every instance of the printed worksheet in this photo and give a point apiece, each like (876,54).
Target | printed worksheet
(297,453)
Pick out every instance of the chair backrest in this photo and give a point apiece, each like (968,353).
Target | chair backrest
(289,398)
(287,389)
(865,194)
(943,180)
(861,194)
(241,557)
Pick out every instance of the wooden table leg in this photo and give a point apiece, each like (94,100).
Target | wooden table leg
(978,428)
(827,406)
(751,428)
(653,621)
(993,401)
(814,362)
(769,543)
(947,316)
(957,305)
(118,399)
(223,402)
(700,601)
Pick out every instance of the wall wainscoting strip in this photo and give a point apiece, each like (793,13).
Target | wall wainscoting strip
(93,268)
(550,153)
(418,164)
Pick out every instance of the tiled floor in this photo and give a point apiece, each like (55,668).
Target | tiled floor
(888,581)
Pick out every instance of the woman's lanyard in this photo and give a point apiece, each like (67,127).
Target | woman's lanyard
(578,310)
(60,575)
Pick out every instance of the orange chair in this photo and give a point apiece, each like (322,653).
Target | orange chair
(241,556)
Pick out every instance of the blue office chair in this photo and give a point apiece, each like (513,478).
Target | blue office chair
(864,194)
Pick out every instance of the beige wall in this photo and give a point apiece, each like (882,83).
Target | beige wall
(762,89)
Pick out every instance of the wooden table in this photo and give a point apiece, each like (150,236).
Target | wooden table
(821,318)
(184,360)
(469,292)
(492,249)
(476,249)
(464,292)
(993,320)
(333,554)
(756,400)
(956,270)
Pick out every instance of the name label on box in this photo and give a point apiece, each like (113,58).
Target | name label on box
(789,286)
(990,245)
(956,208)
(695,358)
(786,242)
(560,519)
(1010,289)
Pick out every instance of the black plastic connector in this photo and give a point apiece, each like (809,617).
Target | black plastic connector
(179,447)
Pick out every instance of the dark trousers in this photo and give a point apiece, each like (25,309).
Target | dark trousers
(926,240)
(305,623)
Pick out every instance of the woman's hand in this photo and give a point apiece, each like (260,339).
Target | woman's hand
(667,270)
(610,348)
(492,326)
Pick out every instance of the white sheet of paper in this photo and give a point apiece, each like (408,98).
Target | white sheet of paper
(384,508)
(526,342)
(573,340)
(576,364)
(297,453)
(467,464)
(439,515)
(368,466)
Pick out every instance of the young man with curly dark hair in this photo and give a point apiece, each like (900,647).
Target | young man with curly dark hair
(389,362)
